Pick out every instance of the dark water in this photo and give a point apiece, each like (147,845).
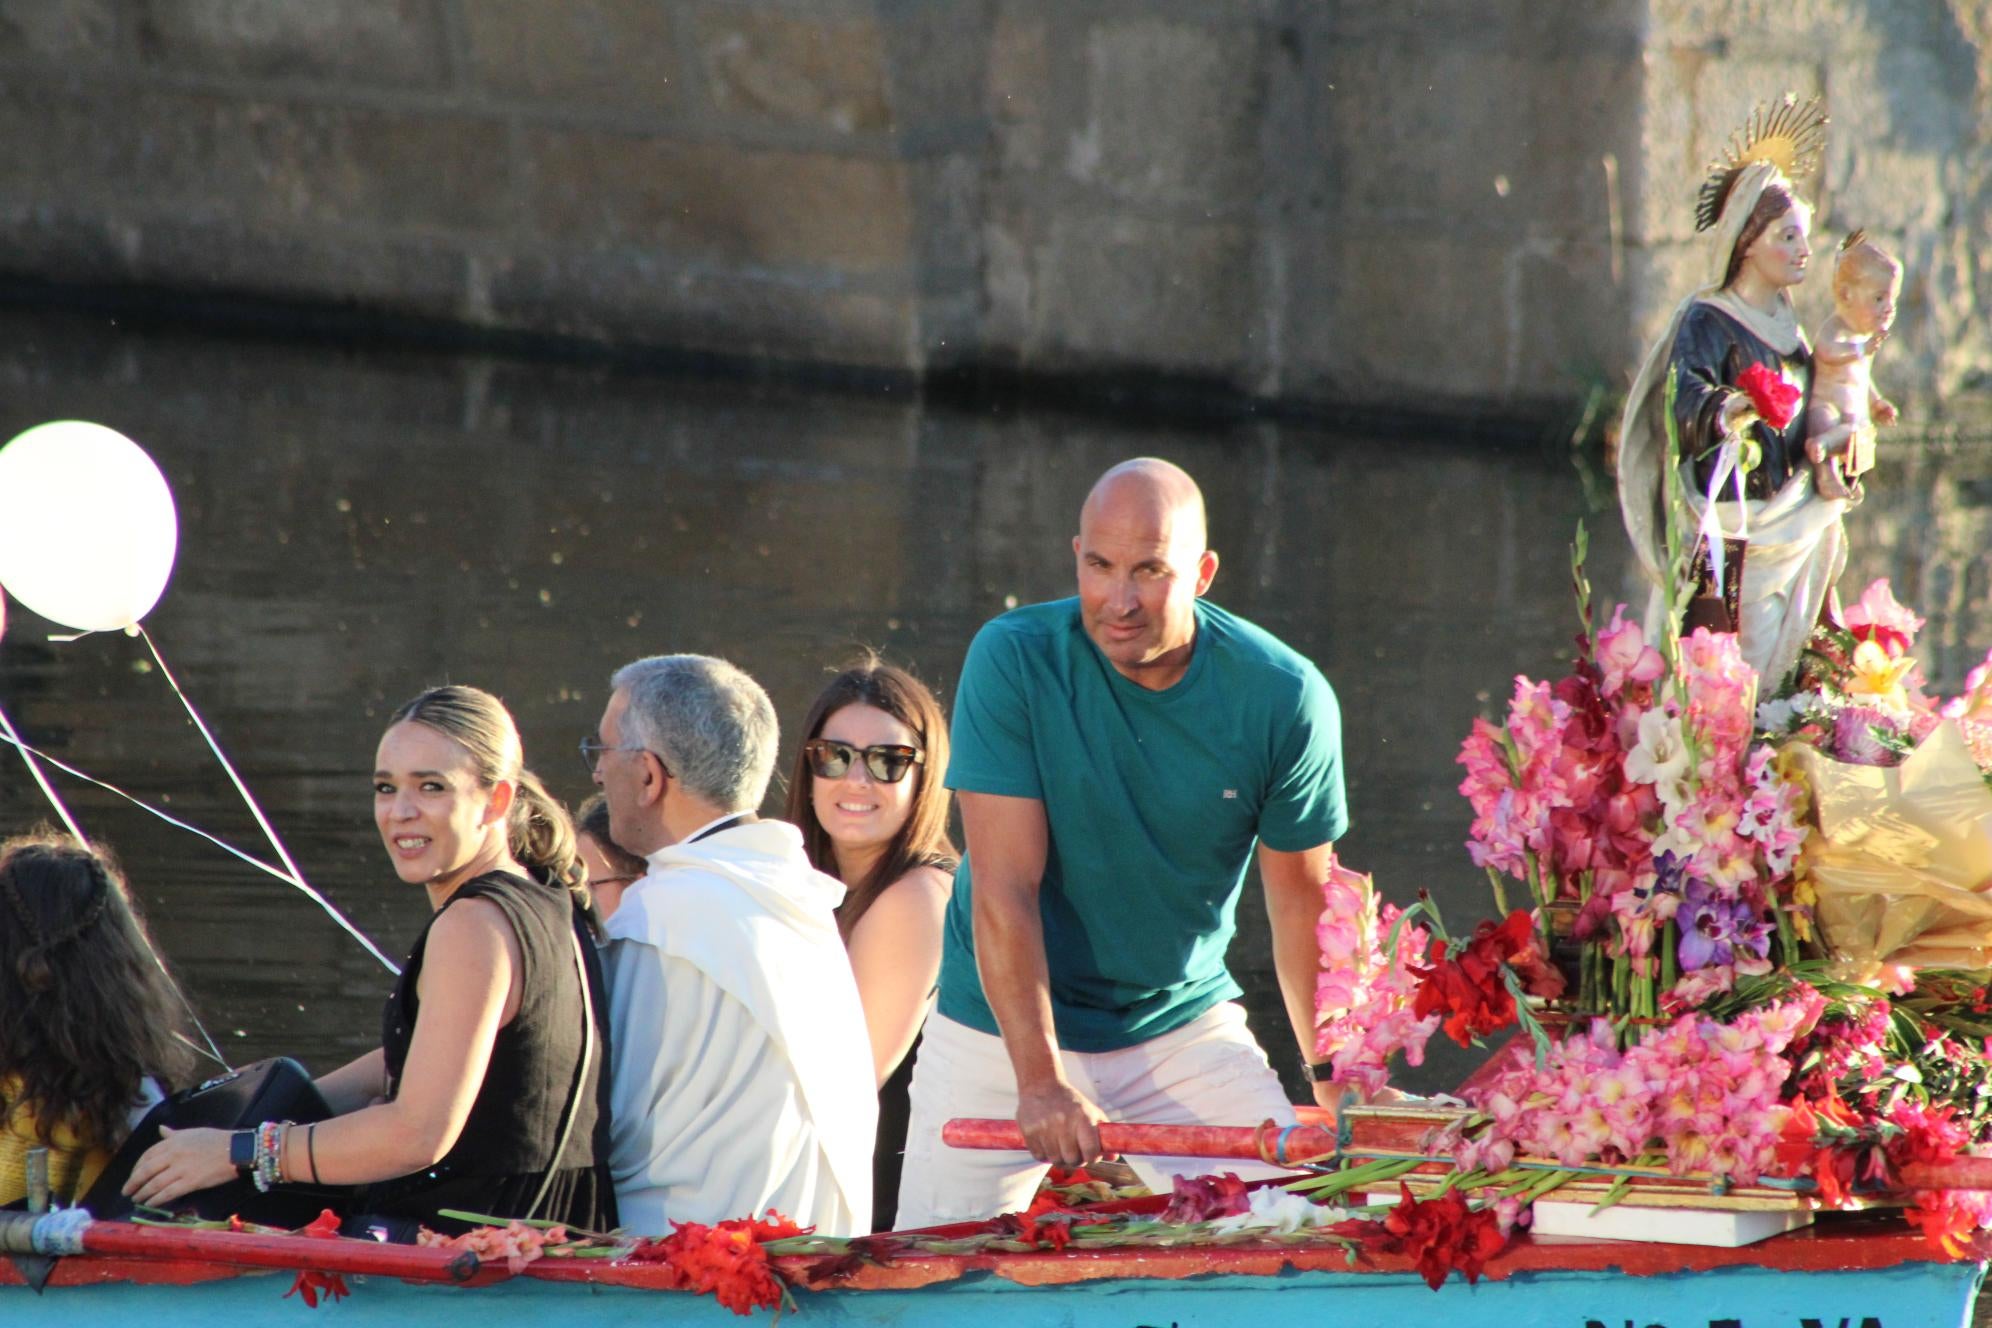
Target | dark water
(355,527)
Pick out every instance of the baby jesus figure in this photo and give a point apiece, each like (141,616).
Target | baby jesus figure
(1845,407)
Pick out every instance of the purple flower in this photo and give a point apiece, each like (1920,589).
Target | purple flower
(1715,931)
(1853,737)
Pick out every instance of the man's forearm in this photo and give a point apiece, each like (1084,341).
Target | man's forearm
(1009,954)
(1296,957)
(1293,909)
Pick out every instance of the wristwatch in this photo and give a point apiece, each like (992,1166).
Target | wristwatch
(1317,1072)
(242,1149)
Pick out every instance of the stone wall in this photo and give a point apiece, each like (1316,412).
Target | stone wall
(1459,205)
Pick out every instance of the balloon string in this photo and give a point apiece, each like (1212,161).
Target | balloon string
(7,728)
(269,832)
(28,756)
(331,909)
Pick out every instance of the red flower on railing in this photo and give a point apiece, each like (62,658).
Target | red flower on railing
(1775,399)
(726,1261)
(311,1283)
(1443,1233)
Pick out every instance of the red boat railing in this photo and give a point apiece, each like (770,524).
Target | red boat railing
(1297,1144)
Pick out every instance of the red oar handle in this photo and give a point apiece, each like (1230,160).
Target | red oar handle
(1267,1142)
(73,1232)
(1960,1173)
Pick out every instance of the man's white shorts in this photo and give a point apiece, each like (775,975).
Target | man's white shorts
(1208,1072)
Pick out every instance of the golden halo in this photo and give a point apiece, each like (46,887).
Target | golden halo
(1788,134)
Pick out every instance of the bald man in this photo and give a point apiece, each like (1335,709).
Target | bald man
(1118,756)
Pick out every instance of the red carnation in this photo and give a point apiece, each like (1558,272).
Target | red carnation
(1465,982)
(1775,399)
(1442,1234)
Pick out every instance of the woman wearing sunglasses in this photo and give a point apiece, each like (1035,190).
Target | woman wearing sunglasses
(868,794)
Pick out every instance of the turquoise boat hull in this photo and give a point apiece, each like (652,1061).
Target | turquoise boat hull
(1865,1276)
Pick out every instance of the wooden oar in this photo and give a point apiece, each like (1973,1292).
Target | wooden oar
(1253,1142)
(72,1231)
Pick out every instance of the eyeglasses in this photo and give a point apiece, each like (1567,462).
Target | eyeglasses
(888,762)
(591,755)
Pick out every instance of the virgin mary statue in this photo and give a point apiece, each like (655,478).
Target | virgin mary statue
(1763,547)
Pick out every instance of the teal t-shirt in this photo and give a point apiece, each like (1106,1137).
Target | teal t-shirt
(1153,801)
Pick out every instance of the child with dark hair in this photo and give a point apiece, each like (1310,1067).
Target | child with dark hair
(88,1041)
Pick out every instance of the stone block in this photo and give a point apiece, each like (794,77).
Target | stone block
(1570,331)
(57,243)
(620,54)
(331,164)
(1119,291)
(1172,113)
(1424,319)
(937,60)
(1894,141)
(1020,87)
(1768,24)
(1669,167)
(396,43)
(642,299)
(77,32)
(795,68)
(1486,26)
(249,162)
(1483,143)
(66,147)
(718,202)
(419,276)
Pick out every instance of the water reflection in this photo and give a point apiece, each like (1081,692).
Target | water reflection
(358,526)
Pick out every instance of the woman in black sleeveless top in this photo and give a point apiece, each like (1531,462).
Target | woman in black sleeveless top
(489,1094)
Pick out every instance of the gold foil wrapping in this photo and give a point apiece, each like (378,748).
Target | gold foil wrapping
(1902,858)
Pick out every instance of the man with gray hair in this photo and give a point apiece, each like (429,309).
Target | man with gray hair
(741,1071)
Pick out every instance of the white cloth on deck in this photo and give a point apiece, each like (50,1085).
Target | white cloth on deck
(742,1072)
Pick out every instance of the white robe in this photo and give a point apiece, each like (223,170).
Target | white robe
(742,1070)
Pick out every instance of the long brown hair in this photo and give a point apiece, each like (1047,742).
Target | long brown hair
(89,1012)
(538,830)
(923,840)
(1771,204)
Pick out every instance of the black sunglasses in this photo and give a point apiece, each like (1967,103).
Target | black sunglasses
(888,762)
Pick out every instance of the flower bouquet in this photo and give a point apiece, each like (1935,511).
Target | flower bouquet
(1750,963)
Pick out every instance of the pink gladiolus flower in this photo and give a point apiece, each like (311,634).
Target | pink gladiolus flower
(1624,657)
(1363,997)
(1976,701)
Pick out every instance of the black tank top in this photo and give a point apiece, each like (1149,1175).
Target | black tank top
(507,1142)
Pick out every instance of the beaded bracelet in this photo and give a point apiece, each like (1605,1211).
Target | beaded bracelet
(268,1169)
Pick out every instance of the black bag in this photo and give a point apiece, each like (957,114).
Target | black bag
(278,1089)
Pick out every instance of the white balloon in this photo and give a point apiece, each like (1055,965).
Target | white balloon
(87,527)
